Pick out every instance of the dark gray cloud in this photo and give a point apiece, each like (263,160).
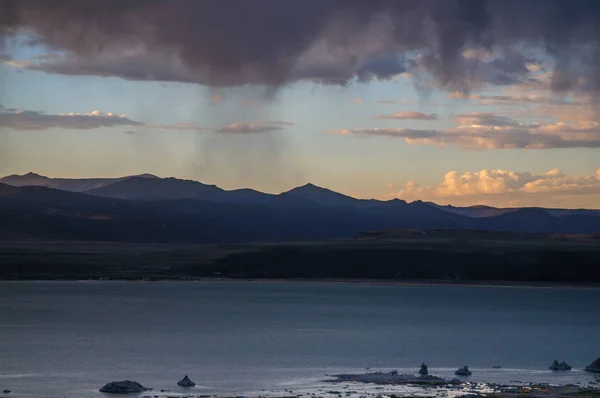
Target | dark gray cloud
(381,68)
(236,42)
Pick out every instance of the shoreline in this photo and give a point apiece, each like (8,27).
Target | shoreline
(363,389)
(336,281)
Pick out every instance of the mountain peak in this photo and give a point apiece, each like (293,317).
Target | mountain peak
(310,186)
(146,175)
(30,178)
(32,174)
(319,195)
(150,187)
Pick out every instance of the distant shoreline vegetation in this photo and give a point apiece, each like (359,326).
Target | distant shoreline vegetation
(403,257)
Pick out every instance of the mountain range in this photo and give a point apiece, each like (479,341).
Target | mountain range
(147,208)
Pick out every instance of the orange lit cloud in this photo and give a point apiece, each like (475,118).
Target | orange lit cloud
(477,131)
(509,188)
(408,116)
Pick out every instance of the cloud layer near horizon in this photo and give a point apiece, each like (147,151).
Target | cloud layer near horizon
(331,41)
(506,188)
(32,121)
(408,116)
(251,128)
(481,130)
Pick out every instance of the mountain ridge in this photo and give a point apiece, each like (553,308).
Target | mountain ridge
(151,187)
(41,213)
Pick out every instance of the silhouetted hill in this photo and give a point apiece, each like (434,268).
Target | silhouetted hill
(477,211)
(151,209)
(530,220)
(480,211)
(318,195)
(573,212)
(66,184)
(46,213)
(149,187)
(140,188)
(248,196)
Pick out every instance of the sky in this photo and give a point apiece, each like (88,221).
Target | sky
(457,102)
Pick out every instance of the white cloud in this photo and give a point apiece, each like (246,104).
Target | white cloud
(502,187)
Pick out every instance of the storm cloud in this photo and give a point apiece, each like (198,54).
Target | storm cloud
(273,42)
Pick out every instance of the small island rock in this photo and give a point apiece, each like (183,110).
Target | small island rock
(559,366)
(7,391)
(123,387)
(593,367)
(186,382)
(464,371)
(423,371)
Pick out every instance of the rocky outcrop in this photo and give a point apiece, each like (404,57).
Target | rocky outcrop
(391,378)
(559,366)
(186,382)
(7,391)
(593,367)
(423,371)
(464,371)
(123,387)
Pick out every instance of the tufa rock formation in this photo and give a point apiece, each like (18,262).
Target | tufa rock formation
(123,387)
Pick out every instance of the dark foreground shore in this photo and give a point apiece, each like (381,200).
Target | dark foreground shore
(441,257)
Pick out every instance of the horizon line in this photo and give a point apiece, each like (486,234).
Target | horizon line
(152,175)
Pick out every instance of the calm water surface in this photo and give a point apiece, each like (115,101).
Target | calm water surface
(69,338)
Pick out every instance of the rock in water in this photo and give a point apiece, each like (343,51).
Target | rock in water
(593,367)
(423,370)
(186,382)
(559,366)
(565,366)
(464,371)
(7,391)
(123,387)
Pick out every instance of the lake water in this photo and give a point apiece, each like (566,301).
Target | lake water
(67,339)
